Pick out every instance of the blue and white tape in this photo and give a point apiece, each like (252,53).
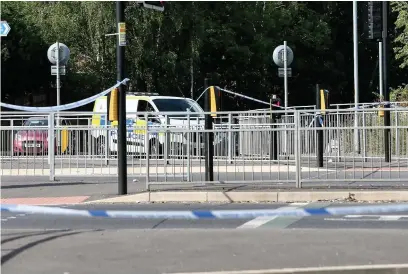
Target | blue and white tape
(66,106)
(206,214)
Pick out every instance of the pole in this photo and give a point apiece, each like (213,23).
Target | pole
(58,76)
(380,65)
(273,149)
(356,90)
(58,93)
(120,62)
(285,66)
(319,133)
(387,118)
(285,85)
(208,146)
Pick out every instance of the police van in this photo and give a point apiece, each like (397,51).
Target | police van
(137,105)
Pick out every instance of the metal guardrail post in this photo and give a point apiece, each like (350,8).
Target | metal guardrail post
(107,142)
(12,139)
(229,137)
(147,152)
(338,135)
(188,147)
(167,142)
(298,161)
(90,141)
(397,144)
(51,145)
(364,141)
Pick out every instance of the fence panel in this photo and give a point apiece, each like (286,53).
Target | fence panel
(254,146)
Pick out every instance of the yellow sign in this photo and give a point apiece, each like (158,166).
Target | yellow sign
(64,140)
(322,102)
(213,102)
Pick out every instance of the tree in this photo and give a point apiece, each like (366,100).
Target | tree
(171,52)
(24,62)
(401,24)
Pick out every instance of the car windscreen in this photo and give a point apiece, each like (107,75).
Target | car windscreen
(175,105)
(36,123)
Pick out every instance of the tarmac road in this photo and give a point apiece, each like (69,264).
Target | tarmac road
(50,244)
(34,221)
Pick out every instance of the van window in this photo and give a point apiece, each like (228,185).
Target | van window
(144,106)
(176,105)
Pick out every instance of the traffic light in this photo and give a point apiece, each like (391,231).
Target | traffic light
(374,9)
(156,5)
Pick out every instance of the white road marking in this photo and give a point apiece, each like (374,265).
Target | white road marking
(384,217)
(390,218)
(259,221)
(12,217)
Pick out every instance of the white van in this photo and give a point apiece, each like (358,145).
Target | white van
(136,124)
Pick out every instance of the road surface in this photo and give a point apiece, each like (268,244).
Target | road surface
(50,244)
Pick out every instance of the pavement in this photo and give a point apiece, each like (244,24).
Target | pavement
(73,190)
(55,244)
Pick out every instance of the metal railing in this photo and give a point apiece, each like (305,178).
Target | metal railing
(252,146)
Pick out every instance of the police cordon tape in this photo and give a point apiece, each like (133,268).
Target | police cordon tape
(66,106)
(205,214)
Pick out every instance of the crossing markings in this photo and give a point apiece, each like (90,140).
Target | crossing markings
(260,221)
(284,222)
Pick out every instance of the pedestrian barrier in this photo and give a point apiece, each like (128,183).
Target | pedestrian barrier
(252,146)
(206,214)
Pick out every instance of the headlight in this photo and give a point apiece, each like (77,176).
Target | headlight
(18,137)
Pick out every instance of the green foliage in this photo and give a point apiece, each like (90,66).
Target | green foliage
(401,24)
(171,52)
(24,69)
(400,94)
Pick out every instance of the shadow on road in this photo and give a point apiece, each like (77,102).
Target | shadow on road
(17,251)
(46,184)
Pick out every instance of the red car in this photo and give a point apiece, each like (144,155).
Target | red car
(33,141)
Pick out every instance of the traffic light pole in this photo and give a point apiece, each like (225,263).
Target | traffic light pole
(120,62)
(387,118)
